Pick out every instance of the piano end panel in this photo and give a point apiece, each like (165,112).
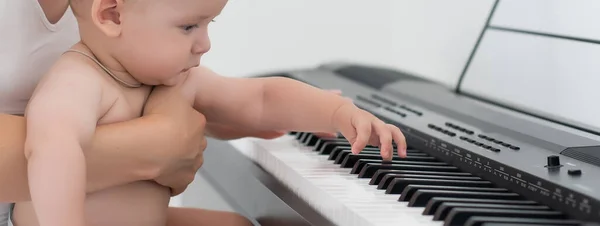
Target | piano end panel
(252,191)
(590,154)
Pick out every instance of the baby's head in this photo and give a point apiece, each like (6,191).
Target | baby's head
(154,41)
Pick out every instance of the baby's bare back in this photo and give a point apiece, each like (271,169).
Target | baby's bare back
(142,203)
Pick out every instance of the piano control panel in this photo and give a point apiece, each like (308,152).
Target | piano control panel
(527,168)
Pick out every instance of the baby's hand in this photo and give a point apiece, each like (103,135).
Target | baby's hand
(360,128)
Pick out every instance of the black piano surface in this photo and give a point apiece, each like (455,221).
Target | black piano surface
(470,164)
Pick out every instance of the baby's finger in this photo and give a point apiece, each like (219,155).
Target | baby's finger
(374,140)
(327,135)
(363,130)
(335,91)
(385,139)
(399,139)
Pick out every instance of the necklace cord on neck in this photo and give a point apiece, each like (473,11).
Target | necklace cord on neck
(106,69)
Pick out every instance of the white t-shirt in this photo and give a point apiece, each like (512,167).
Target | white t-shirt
(29,45)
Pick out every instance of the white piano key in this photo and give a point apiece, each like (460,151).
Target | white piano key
(340,196)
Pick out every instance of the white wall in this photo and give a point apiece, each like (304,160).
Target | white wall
(432,38)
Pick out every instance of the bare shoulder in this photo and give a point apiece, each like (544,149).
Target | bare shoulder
(71,79)
(70,71)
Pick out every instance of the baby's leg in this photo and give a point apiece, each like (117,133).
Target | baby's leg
(203,217)
(141,203)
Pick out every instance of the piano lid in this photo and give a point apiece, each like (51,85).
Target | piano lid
(541,57)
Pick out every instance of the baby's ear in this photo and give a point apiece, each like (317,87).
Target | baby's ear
(107,16)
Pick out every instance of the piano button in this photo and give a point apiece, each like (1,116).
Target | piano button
(399,184)
(410,190)
(459,216)
(311,141)
(487,221)
(293,133)
(435,202)
(380,173)
(368,170)
(421,197)
(387,179)
(445,208)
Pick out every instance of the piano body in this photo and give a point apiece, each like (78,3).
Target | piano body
(516,142)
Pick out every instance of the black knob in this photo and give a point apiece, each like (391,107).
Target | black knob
(553,161)
(574,172)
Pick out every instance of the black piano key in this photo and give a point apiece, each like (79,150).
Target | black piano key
(362,162)
(336,151)
(518,224)
(307,138)
(387,179)
(293,133)
(421,197)
(347,159)
(486,221)
(368,170)
(321,142)
(446,207)
(410,190)
(330,145)
(380,173)
(302,137)
(459,216)
(409,153)
(299,134)
(399,184)
(435,202)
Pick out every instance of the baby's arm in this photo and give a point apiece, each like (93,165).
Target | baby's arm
(61,120)
(264,104)
(276,103)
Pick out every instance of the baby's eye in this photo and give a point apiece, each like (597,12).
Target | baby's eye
(189,27)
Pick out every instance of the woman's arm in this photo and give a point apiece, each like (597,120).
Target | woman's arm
(165,145)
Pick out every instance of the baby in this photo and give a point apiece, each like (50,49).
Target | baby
(126,48)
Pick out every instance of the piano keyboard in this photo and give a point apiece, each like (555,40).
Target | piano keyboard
(418,190)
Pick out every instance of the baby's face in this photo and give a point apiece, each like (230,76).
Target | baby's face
(161,39)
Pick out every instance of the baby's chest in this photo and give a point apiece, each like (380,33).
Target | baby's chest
(124,105)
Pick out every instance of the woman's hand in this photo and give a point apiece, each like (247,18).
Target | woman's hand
(180,157)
